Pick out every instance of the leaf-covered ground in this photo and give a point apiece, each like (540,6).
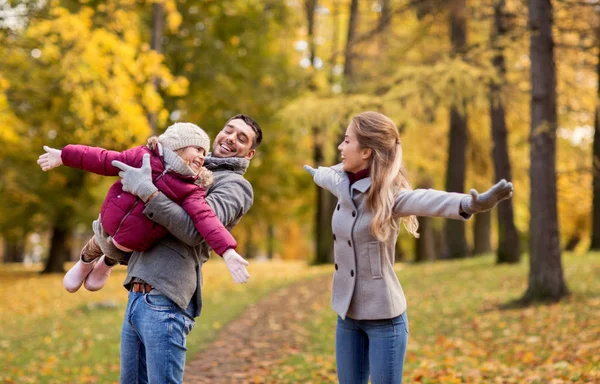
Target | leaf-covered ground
(48,335)
(460,333)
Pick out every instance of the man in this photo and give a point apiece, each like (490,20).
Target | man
(165,281)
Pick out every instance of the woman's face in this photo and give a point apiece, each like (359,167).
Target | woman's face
(194,157)
(354,158)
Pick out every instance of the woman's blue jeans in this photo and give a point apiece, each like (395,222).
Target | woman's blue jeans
(375,347)
(153,339)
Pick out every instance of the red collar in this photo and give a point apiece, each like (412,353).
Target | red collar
(354,177)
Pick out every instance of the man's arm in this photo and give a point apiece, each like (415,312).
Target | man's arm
(172,216)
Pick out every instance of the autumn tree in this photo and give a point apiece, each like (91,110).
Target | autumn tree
(546,281)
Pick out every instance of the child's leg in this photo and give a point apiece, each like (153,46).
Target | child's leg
(98,277)
(77,274)
(91,251)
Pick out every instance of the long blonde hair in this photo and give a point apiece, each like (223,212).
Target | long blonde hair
(379,133)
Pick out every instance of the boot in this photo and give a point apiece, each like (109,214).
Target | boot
(77,274)
(99,275)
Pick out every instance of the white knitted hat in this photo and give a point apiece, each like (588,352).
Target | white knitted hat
(181,135)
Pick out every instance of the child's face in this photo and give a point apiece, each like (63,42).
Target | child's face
(194,157)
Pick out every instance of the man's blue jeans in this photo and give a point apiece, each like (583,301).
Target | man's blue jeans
(153,339)
(375,347)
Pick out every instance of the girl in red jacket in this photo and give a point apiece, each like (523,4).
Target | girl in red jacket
(176,158)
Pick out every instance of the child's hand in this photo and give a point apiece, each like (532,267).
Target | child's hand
(236,265)
(50,159)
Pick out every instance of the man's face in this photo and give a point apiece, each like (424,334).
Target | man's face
(234,140)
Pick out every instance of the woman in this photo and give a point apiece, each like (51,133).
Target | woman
(373,196)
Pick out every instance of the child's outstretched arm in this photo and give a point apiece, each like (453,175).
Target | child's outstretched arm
(50,159)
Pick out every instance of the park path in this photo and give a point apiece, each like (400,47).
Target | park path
(267,333)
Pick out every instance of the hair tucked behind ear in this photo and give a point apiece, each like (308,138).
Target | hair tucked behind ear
(378,132)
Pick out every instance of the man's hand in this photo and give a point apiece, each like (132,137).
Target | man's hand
(236,265)
(137,181)
(50,159)
(487,200)
(105,243)
(310,170)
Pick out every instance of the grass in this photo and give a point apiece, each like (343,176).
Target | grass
(459,332)
(48,335)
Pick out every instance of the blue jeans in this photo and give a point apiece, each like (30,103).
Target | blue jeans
(153,339)
(375,347)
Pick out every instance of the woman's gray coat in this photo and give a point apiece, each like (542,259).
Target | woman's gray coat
(365,286)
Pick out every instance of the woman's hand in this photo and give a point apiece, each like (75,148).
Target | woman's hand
(480,203)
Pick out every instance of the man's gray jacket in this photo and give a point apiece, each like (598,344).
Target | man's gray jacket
(173,265)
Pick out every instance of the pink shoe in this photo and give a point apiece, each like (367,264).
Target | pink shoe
(97,278)
(77,274)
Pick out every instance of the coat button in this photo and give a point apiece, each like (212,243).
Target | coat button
(349,243)
(352,273)
(151,215)
(334,237)
(353,213)
(336,267)
(338,207)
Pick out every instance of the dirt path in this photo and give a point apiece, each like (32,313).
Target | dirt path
(266,334)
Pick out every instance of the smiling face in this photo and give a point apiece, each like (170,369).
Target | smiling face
(354,158)
(193,157)
(234,140)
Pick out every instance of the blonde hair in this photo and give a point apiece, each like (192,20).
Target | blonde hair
(379,133)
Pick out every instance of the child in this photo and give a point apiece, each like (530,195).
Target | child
(176,159)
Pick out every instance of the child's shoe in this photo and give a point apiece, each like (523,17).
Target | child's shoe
(98,277)
(77,274)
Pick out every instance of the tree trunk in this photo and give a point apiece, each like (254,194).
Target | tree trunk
(399,254)
(59,249)
(595,244)
(14,250)
(323,232)
(386,17)
(509,249)
(455,173)
(425,244)
(546,281)
(310,5)
(482,233)
(158,25)
(348,51)
(250,248)
(270,241)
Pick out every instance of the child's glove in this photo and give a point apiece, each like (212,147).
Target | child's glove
(236,265)
(310,170)
(137,181)
(50,159)
(480,203)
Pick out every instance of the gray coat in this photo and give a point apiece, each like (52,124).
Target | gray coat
(365,286)
(174,264)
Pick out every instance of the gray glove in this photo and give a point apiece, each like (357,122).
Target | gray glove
(137,181)
(480,203)
(310,170)
(106,245)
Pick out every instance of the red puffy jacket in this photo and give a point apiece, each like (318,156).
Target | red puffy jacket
(122,212)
